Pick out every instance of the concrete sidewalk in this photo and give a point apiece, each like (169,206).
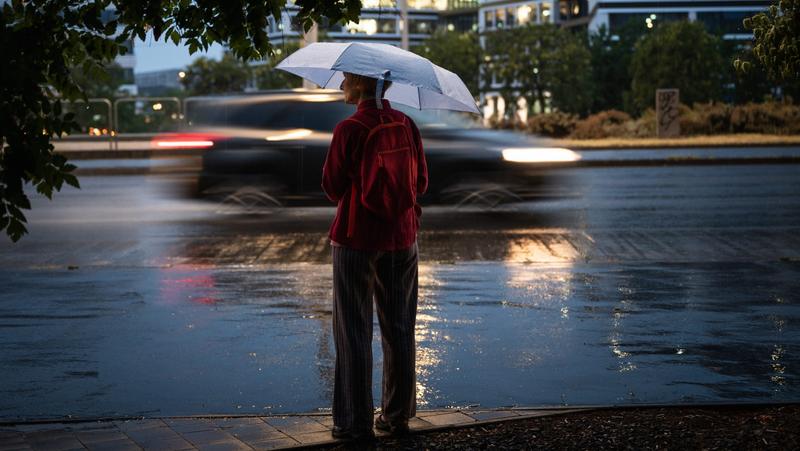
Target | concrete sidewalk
(226,432)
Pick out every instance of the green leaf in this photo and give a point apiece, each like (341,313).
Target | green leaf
(23,202)
(15,230)
(15,213)
(71,180)
(59,160)
(45,189)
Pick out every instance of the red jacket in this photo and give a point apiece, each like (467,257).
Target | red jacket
(340,169)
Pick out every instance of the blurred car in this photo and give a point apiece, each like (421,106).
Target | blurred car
(271,147)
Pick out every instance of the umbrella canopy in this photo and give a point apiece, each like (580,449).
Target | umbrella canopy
(416,81)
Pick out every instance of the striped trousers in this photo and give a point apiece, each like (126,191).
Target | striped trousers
(391,277)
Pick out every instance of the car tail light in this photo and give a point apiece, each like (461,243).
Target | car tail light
(185,141)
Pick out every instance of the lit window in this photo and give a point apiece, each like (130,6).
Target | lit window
(427,4)
(421,26)
(489,17)
(524,14)
(377,3)
(368,26)
(546,12)
(501,18)
(510,17)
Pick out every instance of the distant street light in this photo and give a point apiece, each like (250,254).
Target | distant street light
(181,74)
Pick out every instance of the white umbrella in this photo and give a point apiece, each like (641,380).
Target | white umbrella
(416,81)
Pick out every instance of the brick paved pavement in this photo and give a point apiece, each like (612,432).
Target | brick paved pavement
(219,433)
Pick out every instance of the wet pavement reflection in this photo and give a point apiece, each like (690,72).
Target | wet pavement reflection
(586,300)
(185,340)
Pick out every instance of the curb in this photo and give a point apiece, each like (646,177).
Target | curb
(583,407)
(127,154)
(675,145)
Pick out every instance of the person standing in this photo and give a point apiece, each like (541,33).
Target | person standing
(375,254)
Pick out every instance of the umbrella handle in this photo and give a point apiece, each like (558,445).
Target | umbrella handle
(379,89)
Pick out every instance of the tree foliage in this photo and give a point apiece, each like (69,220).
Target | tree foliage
(107,87)
(44,40)
(678,55)
(537,62)
(209,76)
(267,77)
(611,59)
(776,39)
(460,53)
(743,87)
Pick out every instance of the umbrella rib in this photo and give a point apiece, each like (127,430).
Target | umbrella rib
(328,80)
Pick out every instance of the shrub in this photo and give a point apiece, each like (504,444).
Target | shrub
(645,126)
(767,117)
(555,124)
(499,122)
(602,125)
(711,118)
(705,119)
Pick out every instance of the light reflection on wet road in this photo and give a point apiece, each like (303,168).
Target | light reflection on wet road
(675,284)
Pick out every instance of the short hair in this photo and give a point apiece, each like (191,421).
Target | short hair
(370,84)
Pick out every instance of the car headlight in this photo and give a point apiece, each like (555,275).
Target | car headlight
(539,155)
(288,135)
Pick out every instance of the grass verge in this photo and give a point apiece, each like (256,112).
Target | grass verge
(735,140)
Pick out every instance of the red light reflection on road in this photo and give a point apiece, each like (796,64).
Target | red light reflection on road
(193,283)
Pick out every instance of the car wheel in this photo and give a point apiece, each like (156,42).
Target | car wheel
(481,194)
(249,199)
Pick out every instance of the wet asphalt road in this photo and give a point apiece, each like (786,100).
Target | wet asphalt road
(652,284)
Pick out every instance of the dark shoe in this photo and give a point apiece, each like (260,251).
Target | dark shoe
(394,429)
(347,434)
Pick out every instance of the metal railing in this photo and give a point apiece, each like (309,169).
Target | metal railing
(80,112)
(104,119)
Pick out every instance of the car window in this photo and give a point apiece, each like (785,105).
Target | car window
(322,116)
(433,119)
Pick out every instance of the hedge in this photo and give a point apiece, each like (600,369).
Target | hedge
(781,118)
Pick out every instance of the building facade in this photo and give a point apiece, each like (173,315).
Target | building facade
(380,22)
(126,62)
(160,82)
(719,16)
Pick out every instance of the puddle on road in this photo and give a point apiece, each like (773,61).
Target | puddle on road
(173,309)
(192,339)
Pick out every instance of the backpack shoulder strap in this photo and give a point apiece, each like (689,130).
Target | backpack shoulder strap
(359,122)
(353,199)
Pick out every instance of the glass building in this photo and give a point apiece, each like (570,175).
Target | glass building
(380,21)
(719,16)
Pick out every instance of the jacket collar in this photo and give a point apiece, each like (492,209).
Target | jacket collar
(370,104)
